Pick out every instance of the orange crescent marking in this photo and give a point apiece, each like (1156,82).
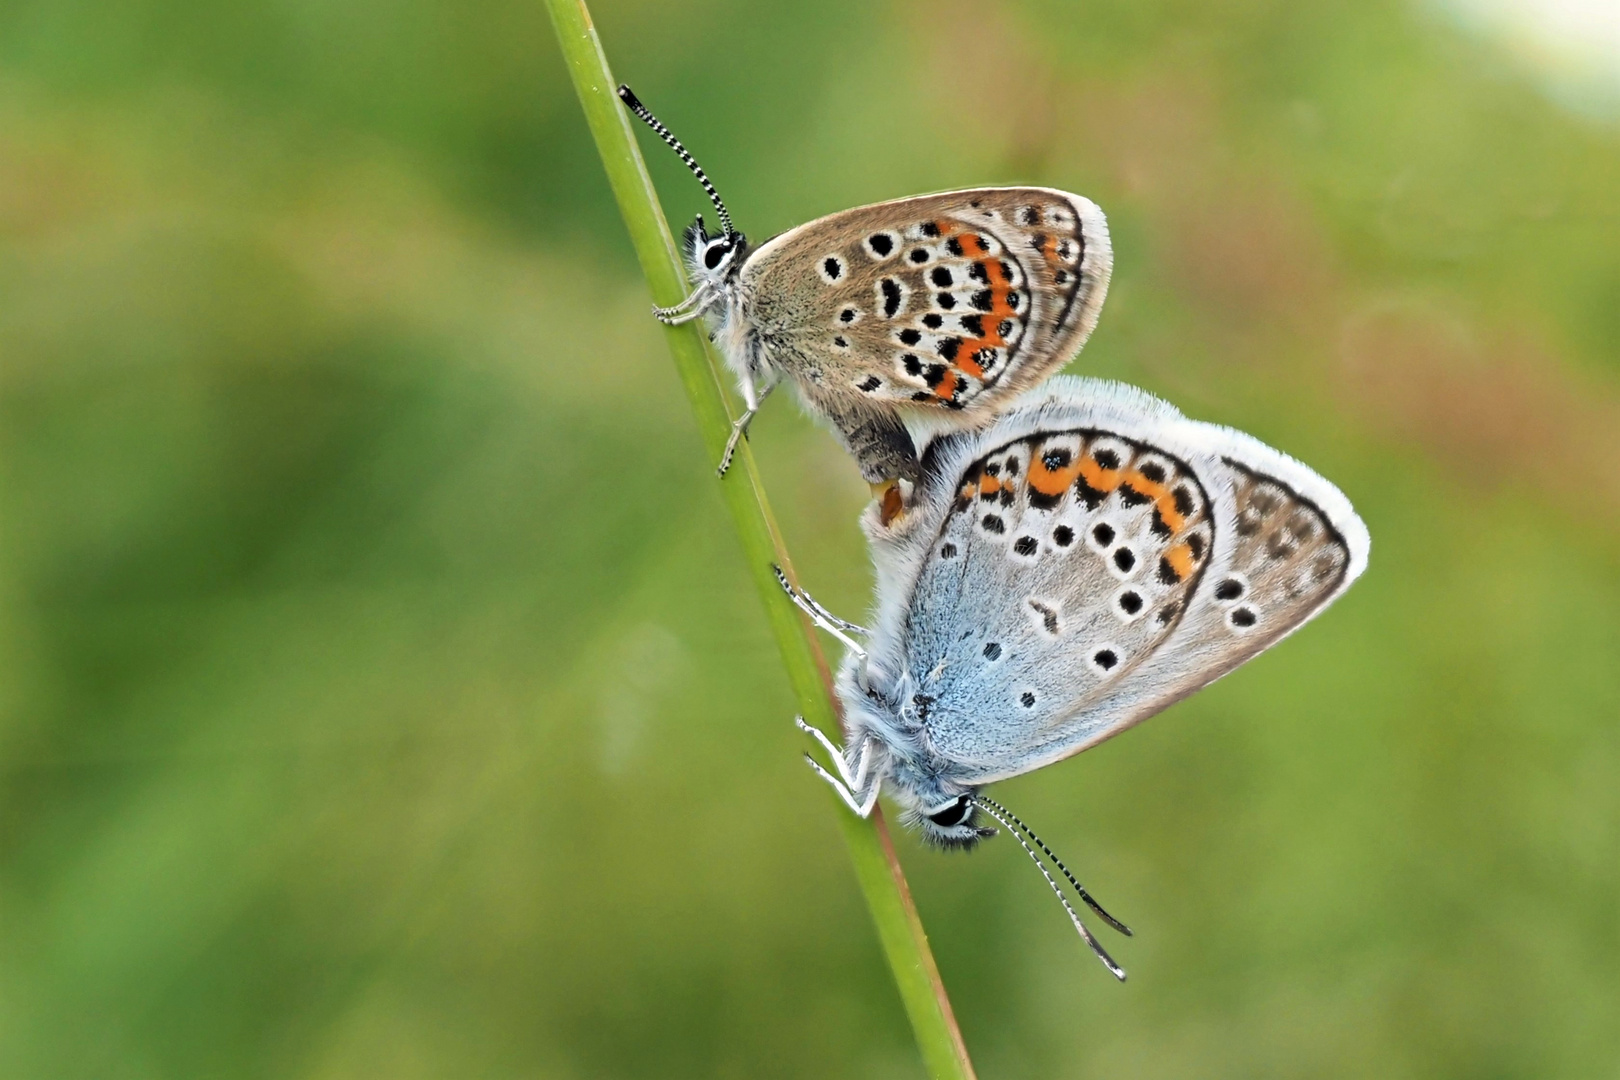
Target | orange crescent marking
(1162,499)
(1097,477)
(1051,482)
(1180,559)
(973,245)
(989,485)
(1000,288)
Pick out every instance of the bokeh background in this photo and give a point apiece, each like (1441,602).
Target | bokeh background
(381,691)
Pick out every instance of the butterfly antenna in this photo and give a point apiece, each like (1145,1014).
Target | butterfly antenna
(1078,888)
(1096,947)
(634,104)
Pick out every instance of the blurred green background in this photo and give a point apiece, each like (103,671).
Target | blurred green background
(382,694)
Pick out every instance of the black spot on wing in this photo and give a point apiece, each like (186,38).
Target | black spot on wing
(1049,617)
(1130,496)
(891,297)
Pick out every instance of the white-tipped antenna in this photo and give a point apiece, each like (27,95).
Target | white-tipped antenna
(634,104)
(1096,947)
(1078,888)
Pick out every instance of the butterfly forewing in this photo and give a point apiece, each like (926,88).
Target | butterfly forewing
(948,300)
(1090,544)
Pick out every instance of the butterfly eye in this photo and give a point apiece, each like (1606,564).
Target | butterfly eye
(716,253)
(954,814)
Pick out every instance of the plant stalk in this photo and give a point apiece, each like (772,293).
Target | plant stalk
(877,868)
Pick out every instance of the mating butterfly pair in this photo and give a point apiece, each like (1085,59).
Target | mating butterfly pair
(1069,557)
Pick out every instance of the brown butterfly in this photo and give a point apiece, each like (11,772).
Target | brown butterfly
(923,314)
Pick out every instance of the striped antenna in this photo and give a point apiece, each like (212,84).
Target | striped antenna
(634,104)
(1096,946)
(1078,888)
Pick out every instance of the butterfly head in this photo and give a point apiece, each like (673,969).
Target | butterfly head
(715,259)
(951,823)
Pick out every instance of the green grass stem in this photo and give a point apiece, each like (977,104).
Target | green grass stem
(877,868)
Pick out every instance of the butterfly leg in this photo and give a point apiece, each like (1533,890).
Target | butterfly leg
(679,320)
(687,310)
(845,785)
(821,616)
(752,400)
(856,782)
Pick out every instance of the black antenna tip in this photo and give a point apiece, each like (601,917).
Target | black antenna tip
(628,96)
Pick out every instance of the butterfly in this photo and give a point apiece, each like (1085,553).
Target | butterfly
(937,309)
(1081,564)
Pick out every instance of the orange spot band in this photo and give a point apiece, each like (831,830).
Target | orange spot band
(1180,559)
(1099,478)
(1162,499)
(1051,482)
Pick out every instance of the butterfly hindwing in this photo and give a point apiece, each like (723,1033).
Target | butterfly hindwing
(947,301)
(1098,558)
